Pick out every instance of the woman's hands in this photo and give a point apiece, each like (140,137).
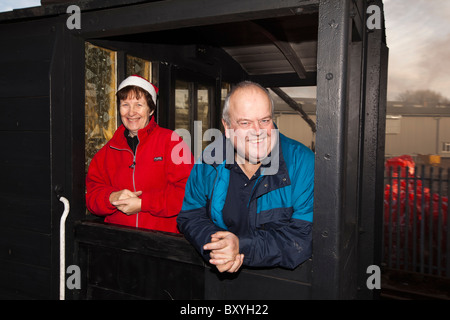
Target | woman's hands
(126,201)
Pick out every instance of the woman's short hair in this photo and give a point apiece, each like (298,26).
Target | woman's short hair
(137,92)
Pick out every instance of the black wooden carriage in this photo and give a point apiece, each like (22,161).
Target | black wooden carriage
(323,43)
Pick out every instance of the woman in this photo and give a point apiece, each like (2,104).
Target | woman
(133,180)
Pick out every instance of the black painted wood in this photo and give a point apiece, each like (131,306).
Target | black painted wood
(120,262)
(42,143)
(25,217)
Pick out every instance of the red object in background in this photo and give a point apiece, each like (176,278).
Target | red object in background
(405,162)
(416,203)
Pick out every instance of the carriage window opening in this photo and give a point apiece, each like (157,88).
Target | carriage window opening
(100,99)
(203,105)
(193,104)
(140,67)
(290,121)
(183,105)
(224,90)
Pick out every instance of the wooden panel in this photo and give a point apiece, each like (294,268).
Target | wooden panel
(24,148)
(25,216)
(25,212)
(25,180)
(24,78)
(29,47)
(127,263)
(155,243)
(23,280)
(131,274)
(251,285)
(26,247)
(25,113)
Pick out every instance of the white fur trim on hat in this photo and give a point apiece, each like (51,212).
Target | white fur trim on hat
(139,82)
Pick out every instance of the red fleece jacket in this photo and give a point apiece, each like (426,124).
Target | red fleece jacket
(161,181)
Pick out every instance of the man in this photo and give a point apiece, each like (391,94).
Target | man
(254,207)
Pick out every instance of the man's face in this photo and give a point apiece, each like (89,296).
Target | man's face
(250,124)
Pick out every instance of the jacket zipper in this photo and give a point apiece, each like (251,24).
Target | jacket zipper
(133,166)
(134,184)
(249,200)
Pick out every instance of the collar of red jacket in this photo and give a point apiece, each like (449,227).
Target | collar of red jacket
(119,141)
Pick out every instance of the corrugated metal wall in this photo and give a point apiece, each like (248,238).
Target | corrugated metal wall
(294,127)
(419,135)
(411,135)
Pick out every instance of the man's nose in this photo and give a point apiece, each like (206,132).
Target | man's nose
(256,127)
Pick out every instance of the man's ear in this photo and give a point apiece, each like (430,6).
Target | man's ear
(225,126)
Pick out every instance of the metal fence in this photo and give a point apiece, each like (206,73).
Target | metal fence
(416,224)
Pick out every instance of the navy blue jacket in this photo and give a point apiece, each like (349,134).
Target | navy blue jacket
(280,208)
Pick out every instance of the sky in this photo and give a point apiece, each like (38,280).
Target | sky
(418,37)
(8,5)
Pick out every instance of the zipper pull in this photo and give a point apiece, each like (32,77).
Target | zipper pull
(132,166)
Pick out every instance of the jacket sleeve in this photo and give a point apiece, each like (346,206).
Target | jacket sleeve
(99,188)
(290,244)
(167,202)
(193,220)
(285,247)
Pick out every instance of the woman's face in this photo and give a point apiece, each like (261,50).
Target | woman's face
(135,113)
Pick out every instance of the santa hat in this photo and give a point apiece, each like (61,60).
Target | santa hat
(143,83)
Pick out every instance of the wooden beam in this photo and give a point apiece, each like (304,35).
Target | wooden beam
(278,38)
(285,80)
(332,259)
(166,15)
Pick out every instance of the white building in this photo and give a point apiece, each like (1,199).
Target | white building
(410,129)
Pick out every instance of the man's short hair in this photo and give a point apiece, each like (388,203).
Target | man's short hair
(241,85)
